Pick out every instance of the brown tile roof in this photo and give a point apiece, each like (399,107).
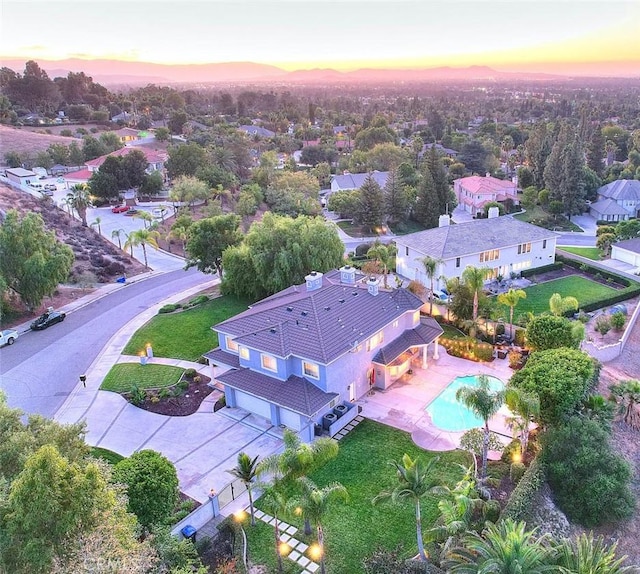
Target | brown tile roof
(296,393)
(319,325)
(220,357)
(426,332)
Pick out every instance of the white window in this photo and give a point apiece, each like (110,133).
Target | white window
(375,340)
(244,353)
(311,370)
(395,323)
(232,345)
(416,317)
(269,363)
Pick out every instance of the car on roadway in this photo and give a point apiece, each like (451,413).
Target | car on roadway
(51,187)
(120,209)
(47,319)
(131,211)
(8,337)
(441,296)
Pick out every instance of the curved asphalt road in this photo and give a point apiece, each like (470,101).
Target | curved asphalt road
(42,368)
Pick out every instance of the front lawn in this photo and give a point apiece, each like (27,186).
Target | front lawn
(409,226)
(355,230)
(540,217)
(123,376)
(185,335)
(537,301)
(588,252)
(354,530)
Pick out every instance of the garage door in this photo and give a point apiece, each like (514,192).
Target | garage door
(625,256)
(253,404)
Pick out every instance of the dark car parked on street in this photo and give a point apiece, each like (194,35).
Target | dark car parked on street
(47,319)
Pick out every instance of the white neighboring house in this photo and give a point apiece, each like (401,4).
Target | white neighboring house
(21,176)
(627,251)
(503,244)
(617,201)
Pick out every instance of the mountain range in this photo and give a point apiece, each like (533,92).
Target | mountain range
(110,72)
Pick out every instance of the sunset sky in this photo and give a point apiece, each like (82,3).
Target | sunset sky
(557,36)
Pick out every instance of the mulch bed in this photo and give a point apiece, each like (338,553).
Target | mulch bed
(185,404)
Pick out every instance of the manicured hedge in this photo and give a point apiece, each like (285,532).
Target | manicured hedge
(543,269)
(519,503)
(594,270)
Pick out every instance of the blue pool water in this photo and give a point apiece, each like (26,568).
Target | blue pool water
(450,415)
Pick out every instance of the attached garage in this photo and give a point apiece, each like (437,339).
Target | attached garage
(290,419)
(253,404)
(627,251)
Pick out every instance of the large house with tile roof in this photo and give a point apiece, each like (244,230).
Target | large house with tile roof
(617,201)
(504,244)
(474,192)
(296,357)
(352,181)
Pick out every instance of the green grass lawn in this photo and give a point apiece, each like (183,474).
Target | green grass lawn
(354,530)
(355,230)
(537,301)
(407,227)
(588,252)
(185,335)
(451,332)
(123,376)
(111,457)
(539,216)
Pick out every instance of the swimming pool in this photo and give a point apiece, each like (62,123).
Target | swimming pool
(450,415)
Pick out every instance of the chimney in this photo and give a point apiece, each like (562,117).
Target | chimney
(488,174)
(493,212)
(444,220)
(314,281)
(372,285)
(348,275)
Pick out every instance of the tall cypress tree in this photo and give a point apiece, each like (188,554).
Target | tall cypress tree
(446,198)
(572,189)
(371,204)
(595,151)
(395,198)
(426,210)
(537,150)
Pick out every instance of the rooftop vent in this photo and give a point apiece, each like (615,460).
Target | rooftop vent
(289,309)
(354,293)
(327,308)
(272,330)
(304,313)
(341,300)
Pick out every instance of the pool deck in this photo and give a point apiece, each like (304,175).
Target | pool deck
(403,404)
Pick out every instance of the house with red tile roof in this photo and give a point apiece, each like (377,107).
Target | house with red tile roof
(474,192)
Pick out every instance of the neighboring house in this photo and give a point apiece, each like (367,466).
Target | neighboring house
(474,192)
(448,152)
(123,117)
(127,134)
(339,131)
(257,131)
(351,181)
(295,356)
(21,176)
(617,201)
(503,244)
(155,158)
(627,251)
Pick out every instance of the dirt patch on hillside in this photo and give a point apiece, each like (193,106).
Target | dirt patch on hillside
(28,142)
(97,259)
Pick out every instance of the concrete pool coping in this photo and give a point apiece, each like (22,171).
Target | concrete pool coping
(403,404)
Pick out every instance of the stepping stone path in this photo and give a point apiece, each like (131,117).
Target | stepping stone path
(287,531)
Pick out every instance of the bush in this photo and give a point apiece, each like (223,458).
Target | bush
(516,471)
(138,395)
(517,507)
(361,250)
(519,337)
(603,325)
(190,373)
(512,448)
(170,308)
(589,480)
(618,320)
(491,510)
(199,300)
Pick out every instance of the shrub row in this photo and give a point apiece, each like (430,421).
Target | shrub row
(594,270)
(519,503)
(543,269)
(468,349)
(171,307)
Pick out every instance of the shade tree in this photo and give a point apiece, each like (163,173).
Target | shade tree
(207,240)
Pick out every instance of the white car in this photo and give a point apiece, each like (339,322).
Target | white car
(8,337)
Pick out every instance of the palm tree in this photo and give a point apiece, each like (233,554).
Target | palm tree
(275,503)
(384,254)
(80,200)
(97,223)
(474,277)
(246,471)
(415,482)
(484,403)
(526,407)
(146,217)
(560,305)
(457,507)
(117,234)
(299,459)
(627,396)
(143,237)
(430,270)
(129,242)
(511,299)
(314,503)
(503,548)
(586,555)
